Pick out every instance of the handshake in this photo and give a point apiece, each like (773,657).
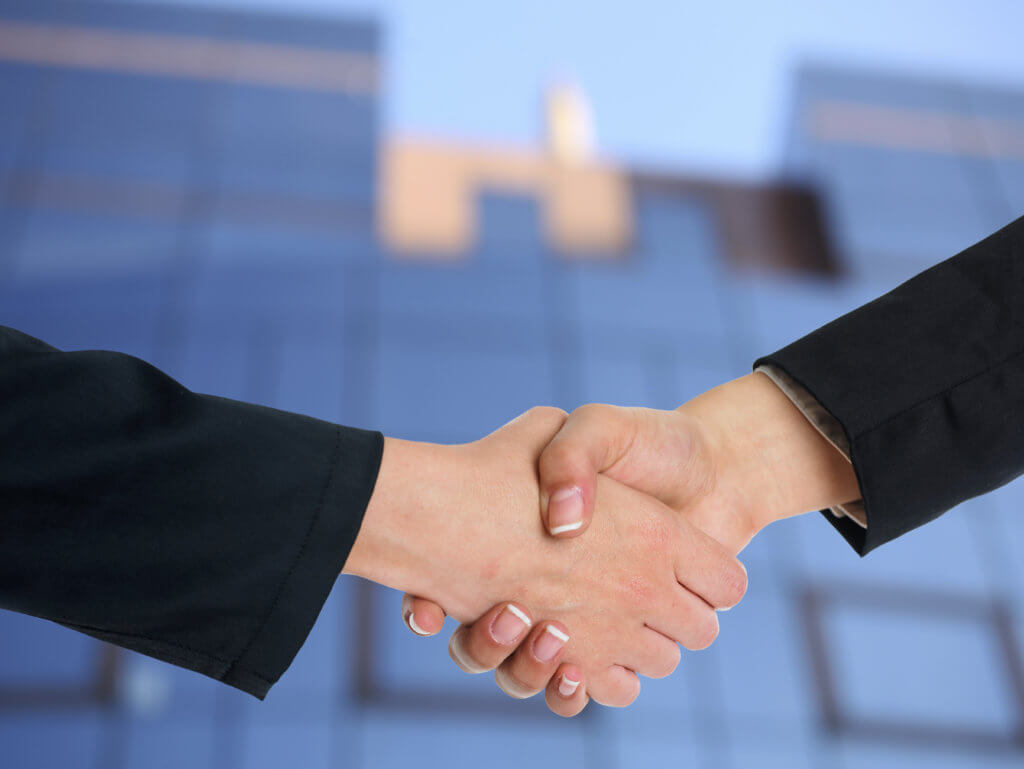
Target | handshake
(582,550)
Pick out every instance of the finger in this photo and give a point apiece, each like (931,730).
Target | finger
(566,692)
(655,655)
(614,686)
(687,619)
(421,616)
(592,439)
(529,669)
(534,428)
(486,643)
(706,568)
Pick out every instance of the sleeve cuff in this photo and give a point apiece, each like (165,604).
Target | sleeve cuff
(348,485)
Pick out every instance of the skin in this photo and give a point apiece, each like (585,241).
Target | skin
(730,462)
(459,525)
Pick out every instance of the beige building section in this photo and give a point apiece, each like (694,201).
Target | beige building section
(429,190)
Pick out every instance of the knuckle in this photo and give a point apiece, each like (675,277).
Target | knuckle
(562,709)
(589,411)
(624,696)
(512,684)
(705,631)
(547,414)
(735,584)
(667,663)
(614,688)
(560,455)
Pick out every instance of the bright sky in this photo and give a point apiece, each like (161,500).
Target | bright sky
(696,85)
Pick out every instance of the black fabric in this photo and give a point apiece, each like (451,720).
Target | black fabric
(928,385)
(197,530)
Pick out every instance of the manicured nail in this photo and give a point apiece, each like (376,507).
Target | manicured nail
(549,643)
(565,510)
(509,625)
(411,622)
(567,687)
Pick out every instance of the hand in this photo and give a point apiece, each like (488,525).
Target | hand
(459,525)
(730,461)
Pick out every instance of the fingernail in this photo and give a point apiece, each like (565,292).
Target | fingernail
(411,622)
(565,510)
(567,687)
(549,643)
(509,625)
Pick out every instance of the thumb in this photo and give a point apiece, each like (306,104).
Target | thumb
(421,616)
(593,439)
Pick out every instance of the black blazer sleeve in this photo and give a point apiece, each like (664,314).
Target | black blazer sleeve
(927,383)
(198,530)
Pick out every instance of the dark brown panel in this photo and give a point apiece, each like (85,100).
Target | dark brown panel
(773,226)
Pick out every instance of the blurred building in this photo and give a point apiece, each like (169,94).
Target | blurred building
(209,191)
(197,188)
(180,163)
(911,169)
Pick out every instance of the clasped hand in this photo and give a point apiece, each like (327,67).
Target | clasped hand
(580,551)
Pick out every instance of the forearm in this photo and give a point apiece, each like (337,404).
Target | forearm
(198,530)
(770,459)
(925,382)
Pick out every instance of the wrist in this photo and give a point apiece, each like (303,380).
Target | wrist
(401,528)
(767,454)
(457,525)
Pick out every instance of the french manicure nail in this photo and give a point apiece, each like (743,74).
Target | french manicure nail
(411,622)
(509,625)
(567,687)
(565,510)
(549,643)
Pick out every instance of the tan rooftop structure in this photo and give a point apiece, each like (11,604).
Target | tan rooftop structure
(428,206)
(429,187)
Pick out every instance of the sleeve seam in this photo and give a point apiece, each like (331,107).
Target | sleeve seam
(142,637)
(982,291)
(933,396)
(295,561)
(187,653)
